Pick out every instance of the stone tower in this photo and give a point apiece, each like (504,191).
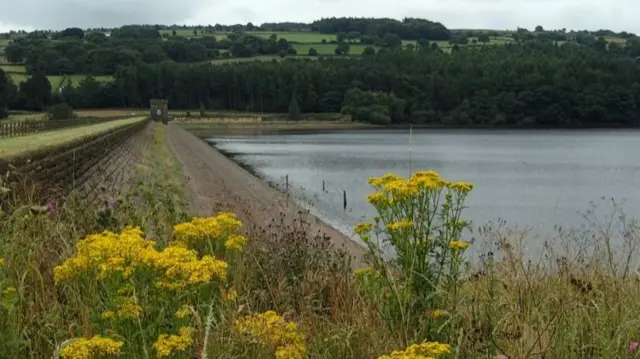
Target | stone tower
(160,110)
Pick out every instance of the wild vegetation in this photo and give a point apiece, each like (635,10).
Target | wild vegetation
(140,278)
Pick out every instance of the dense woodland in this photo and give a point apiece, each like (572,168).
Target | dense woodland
(532,83)
(535,81)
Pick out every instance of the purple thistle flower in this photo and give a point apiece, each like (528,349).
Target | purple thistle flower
(51,207)
(633,346)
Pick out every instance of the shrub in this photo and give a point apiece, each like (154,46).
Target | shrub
(61,111)
(313,52)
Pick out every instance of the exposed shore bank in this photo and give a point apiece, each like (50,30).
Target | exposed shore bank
(215,183)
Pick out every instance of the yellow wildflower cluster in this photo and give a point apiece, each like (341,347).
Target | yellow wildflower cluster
(224,227)
(396,226)
(363,228)
(461,186)
(272,331)
(364,272)
(106,253)
(459,245)
(391,188)
(182,267)
(95,347)
(420,351)
(129,308)
(439,313)
(229,295)
(183,312)
(169,344)
(235,242)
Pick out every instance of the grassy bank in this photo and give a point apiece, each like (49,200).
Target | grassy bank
(13,146)
(206,129)
(185,288)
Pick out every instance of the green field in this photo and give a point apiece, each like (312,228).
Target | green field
(299,36)
(259,58)
(4,42)
(19,69)
(16,145)
(55,81)
(76,79)
(18,78)
(327,49)
(181,32)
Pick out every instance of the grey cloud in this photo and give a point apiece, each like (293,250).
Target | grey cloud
(617,15)
(52,14)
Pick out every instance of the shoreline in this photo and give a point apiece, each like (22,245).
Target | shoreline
(215,182)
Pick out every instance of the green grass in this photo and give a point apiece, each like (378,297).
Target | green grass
(10,147)
(259,58)
(297,36)
(76,79)
(300,36)
(181,32)
(4,42)
(619,40)
(54,80)
(14,69)
(328,49)
(18,78)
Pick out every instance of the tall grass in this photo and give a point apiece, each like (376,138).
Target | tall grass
(186,287)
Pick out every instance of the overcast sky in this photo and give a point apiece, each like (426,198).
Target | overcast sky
(616,15)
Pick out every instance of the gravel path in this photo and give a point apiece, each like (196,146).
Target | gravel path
(215,183)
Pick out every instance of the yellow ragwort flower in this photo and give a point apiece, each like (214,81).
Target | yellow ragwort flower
(272,331)
(182,267)
(390,177)
(459,245)
(463,187)
(229,295)
(129,308)
(183,312)
(108,315)
(376,181)
(203,229)
(363,228)
(106,253)
(395,226)
(95,347)
(401,189)
(427,180)
(169,344)
(439,313)
(235,242)
(378,198)
(364,272)
(420,351)
(9,291)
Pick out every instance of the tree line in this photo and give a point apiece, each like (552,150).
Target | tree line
(532,83)
(97,54)
(407,29)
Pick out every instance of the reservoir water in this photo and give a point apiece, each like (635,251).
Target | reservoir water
(529,178)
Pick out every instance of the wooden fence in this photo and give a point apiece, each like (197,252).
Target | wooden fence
(27,127)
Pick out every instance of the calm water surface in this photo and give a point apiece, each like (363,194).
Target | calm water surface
(536,178)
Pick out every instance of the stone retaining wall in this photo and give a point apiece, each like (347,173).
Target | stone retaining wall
(94,165)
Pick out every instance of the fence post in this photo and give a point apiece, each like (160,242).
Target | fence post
(344,195)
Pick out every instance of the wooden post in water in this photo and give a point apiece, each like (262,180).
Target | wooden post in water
(344,196)
(323,190)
